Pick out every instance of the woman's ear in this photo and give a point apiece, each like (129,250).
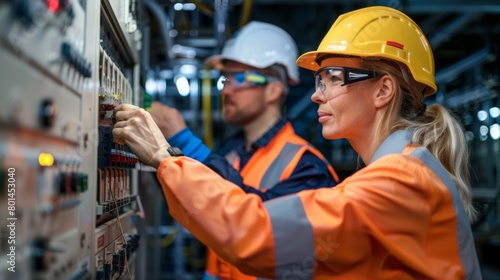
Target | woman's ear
(385,91)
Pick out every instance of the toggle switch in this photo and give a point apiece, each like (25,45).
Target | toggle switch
(48,113)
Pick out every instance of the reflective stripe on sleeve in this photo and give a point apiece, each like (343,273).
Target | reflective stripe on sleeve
(273,173)
(464,233)
(293,237)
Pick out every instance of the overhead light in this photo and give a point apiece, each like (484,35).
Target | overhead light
(495,131)
(154,86)
(189,7)
(161,86)
(482,115)
(483,130)
(184,6)
(469,135)
(187,69)
(173,33)
(151,86)
(182,85)
(178,6)
(183,51)
(494,112)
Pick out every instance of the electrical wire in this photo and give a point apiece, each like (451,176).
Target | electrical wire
(121,231)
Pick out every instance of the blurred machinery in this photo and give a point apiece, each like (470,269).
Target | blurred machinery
(68,193)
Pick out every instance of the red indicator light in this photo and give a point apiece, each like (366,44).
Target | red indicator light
(53,5)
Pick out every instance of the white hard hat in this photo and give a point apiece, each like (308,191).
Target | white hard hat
(260,45)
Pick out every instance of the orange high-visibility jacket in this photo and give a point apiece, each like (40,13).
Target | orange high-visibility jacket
(400,217)
(276,161)
(268,166)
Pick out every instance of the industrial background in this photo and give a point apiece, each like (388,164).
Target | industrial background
(74,205)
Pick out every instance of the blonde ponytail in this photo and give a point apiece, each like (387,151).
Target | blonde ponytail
(434,128)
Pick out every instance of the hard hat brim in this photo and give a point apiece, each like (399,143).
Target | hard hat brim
(308,61)
(215,61)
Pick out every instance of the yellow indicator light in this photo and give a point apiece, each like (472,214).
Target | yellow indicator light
(45,159)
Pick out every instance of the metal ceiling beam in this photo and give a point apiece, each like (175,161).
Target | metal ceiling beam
(420,6)
(440,9)
(451,72)
(463,97)
(308,2)
(446,32)
(429,23)
(301,105)
(449,6)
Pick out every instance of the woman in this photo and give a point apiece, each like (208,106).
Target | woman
(404,216)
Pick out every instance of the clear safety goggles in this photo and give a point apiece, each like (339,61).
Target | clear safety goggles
(341,76)
(244,79)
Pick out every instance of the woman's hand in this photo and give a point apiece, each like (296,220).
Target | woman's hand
(136,128)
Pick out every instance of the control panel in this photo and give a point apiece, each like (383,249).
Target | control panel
(68,193)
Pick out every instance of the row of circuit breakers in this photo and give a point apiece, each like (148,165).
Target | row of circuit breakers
(68,193)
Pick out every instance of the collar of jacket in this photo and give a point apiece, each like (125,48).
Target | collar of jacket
(394,144)
(269,135)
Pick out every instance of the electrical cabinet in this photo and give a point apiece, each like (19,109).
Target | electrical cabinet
(68,193)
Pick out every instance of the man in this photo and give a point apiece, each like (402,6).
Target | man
(267,158)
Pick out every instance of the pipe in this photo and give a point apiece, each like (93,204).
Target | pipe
(203,7)
(163,21)
(247,11)
(220,22)
(206,97)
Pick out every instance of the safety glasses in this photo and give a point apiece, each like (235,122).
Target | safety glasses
(244,79)
(341,76)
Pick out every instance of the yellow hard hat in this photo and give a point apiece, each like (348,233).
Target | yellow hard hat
(378,32)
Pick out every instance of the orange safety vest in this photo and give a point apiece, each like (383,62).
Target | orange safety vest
(266,168)
(400,217)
